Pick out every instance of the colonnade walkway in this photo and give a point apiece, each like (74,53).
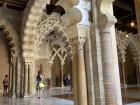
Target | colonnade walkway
(58,96)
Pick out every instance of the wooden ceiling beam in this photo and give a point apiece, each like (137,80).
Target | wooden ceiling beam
(16,5)
(17,2)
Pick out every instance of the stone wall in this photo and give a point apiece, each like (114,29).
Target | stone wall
(4,67)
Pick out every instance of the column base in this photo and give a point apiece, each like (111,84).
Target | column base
(26,94)
(29,95)
(14,95)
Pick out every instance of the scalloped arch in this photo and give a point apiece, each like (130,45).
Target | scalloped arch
(10,32)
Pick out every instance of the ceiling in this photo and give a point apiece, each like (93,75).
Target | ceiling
(14,4)
(124,10)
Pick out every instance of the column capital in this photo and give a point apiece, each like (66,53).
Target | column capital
(78,42)
(106,21)
(62,63)
(14,58)
(122,59)
(50,62)
(29,60)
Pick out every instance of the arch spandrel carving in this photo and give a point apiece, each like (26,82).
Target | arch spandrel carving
(37,19)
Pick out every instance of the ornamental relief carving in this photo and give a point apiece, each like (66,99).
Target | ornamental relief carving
(47,22)
(125,40)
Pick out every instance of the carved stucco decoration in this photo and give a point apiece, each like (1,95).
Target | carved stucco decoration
(49,29)
(125,40)
(33,12)
(60,52)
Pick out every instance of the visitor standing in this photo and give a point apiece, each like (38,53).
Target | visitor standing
(40,84)
(5,85)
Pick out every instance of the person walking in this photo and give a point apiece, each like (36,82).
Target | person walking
(5,85)
(40,84)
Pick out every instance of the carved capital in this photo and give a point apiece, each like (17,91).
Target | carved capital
(77,43)
(106,21)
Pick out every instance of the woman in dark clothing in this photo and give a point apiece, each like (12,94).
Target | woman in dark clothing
(5,85)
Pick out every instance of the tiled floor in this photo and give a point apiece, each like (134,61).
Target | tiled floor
(138,103)
(60,96)
(35,101)
(49,98)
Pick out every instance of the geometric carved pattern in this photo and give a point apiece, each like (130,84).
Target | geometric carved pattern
(50,29)
(125,40)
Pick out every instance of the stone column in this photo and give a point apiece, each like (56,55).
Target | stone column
(82,85)
(80,72)
(124,90)
(26,79)
(13,77)
(137,9)
(74,74)
(31,78)
(10,79)
(137,70)
(138,64)
(62,74)
(49,68)
(51,77)
(22,84)
(107,50)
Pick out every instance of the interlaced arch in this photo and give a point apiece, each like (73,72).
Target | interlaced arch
(72,15)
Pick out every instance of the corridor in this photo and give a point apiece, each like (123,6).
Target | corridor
(57,96)
(35,101)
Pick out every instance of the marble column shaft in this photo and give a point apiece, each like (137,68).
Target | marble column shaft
(124,82)
(14,77)
(74,76)
(32,78)
(78,72)
(81,74)
(10,79)
(26,79)
(62,73)
(105,27)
